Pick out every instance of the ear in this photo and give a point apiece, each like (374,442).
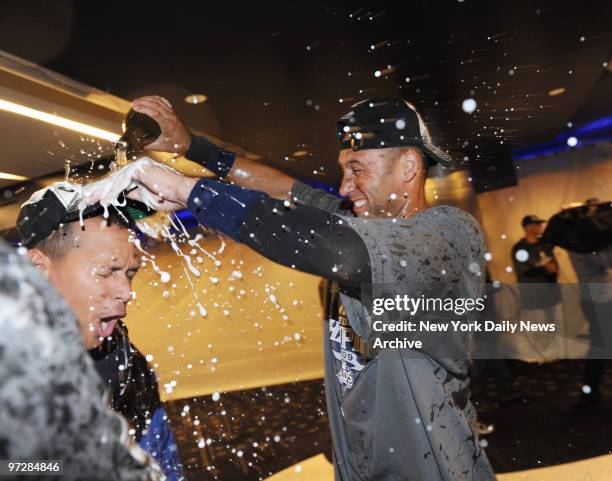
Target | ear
(410,161)
(41,261)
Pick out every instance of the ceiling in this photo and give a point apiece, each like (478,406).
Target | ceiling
(274,74)
(32,148)
(41,152)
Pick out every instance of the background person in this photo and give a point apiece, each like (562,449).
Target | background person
(594,272)
(537,272)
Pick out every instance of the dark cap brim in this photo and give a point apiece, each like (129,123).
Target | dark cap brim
(385,122)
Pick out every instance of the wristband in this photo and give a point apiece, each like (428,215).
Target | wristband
(207,154)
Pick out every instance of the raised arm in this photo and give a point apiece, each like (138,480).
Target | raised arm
(305,238)
(176,138)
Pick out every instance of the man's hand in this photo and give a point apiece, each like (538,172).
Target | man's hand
(175,137)
(165,187)
(156,185)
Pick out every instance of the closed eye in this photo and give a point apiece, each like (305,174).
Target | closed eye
(103,271)
(353,170)
(354,166)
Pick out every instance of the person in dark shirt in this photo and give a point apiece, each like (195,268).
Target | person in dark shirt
(534,261)
(135,395)
(537,271)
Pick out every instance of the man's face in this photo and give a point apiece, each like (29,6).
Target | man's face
(96,277)
(534,229)
(376,188)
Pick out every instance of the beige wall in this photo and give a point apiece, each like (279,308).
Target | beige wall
(252,343)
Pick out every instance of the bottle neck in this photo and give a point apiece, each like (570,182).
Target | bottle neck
(139,131)
(133,141)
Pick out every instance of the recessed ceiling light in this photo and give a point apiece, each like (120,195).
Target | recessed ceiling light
(558,91)
(196,99)
(5,176)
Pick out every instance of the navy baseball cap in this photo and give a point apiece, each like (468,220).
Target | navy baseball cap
(49,208)
(531,219)
(383,122)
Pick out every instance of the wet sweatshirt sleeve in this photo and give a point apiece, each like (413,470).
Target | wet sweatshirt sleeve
(302,237)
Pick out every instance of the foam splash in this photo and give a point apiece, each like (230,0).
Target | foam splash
(164,276)
(195,243)
(175,247)
(110,190)
(201,308)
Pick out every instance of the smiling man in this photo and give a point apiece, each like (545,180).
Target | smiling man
(395,414)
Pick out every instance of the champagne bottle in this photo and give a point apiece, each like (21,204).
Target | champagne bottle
(139,130)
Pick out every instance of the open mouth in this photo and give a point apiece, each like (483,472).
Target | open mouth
(359,203)
(106,326)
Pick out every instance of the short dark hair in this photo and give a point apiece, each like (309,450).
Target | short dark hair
(57,244)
